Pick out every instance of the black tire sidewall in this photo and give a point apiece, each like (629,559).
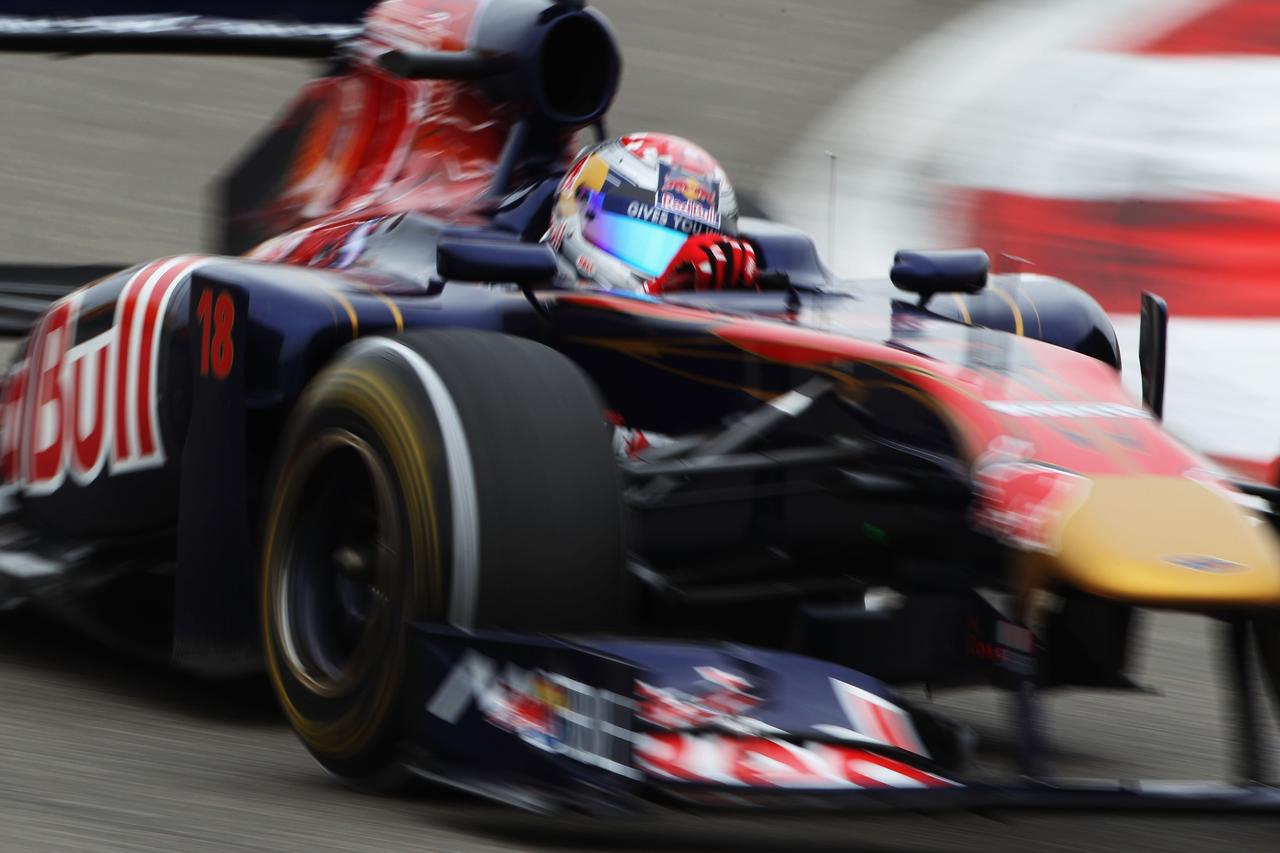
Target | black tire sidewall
(354,736)
(550,518)
(546,510)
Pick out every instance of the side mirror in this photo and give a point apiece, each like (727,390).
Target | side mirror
(1153,330)
(951,271)
(477,257)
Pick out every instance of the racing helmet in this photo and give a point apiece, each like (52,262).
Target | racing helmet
(627,206)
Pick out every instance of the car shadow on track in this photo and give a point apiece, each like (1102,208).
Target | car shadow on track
(914,832)
(676,832)
(33,640)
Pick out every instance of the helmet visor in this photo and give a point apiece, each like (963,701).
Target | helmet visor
(638,244)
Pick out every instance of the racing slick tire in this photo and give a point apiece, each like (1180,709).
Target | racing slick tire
(455,476)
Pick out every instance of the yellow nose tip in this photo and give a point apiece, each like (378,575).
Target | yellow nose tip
(1168,541)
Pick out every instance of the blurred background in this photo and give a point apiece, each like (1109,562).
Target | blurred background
(1124,145)
(1121,144)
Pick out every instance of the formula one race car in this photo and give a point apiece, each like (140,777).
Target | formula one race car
(377,451)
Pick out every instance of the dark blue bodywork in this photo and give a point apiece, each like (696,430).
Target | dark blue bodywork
(383,279)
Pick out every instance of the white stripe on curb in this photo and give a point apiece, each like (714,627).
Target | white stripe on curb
(888,129)
(1026,97)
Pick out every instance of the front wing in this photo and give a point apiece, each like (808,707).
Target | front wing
(605,724)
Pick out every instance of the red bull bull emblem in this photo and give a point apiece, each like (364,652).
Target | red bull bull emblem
(532,709)
(696,197)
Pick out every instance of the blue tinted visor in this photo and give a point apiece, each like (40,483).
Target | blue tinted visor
(638,244)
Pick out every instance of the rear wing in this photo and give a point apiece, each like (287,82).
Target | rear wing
(284,28)
(268,28)
(513,52)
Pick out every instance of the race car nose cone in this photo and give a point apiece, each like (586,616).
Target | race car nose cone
(1168,541)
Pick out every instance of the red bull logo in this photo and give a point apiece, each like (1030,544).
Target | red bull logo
(531,706)
(691,189)
(689,195)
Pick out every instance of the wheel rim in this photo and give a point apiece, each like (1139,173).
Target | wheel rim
(340,580)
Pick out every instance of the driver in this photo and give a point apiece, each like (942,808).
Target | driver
(650,213)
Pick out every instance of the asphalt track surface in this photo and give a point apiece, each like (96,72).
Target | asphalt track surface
(107,158)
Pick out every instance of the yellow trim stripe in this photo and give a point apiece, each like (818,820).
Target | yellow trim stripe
(395,310)
(1013,306)
(1034,310)
(391,305)
(342,300)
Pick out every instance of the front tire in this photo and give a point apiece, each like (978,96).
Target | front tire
(450,476)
